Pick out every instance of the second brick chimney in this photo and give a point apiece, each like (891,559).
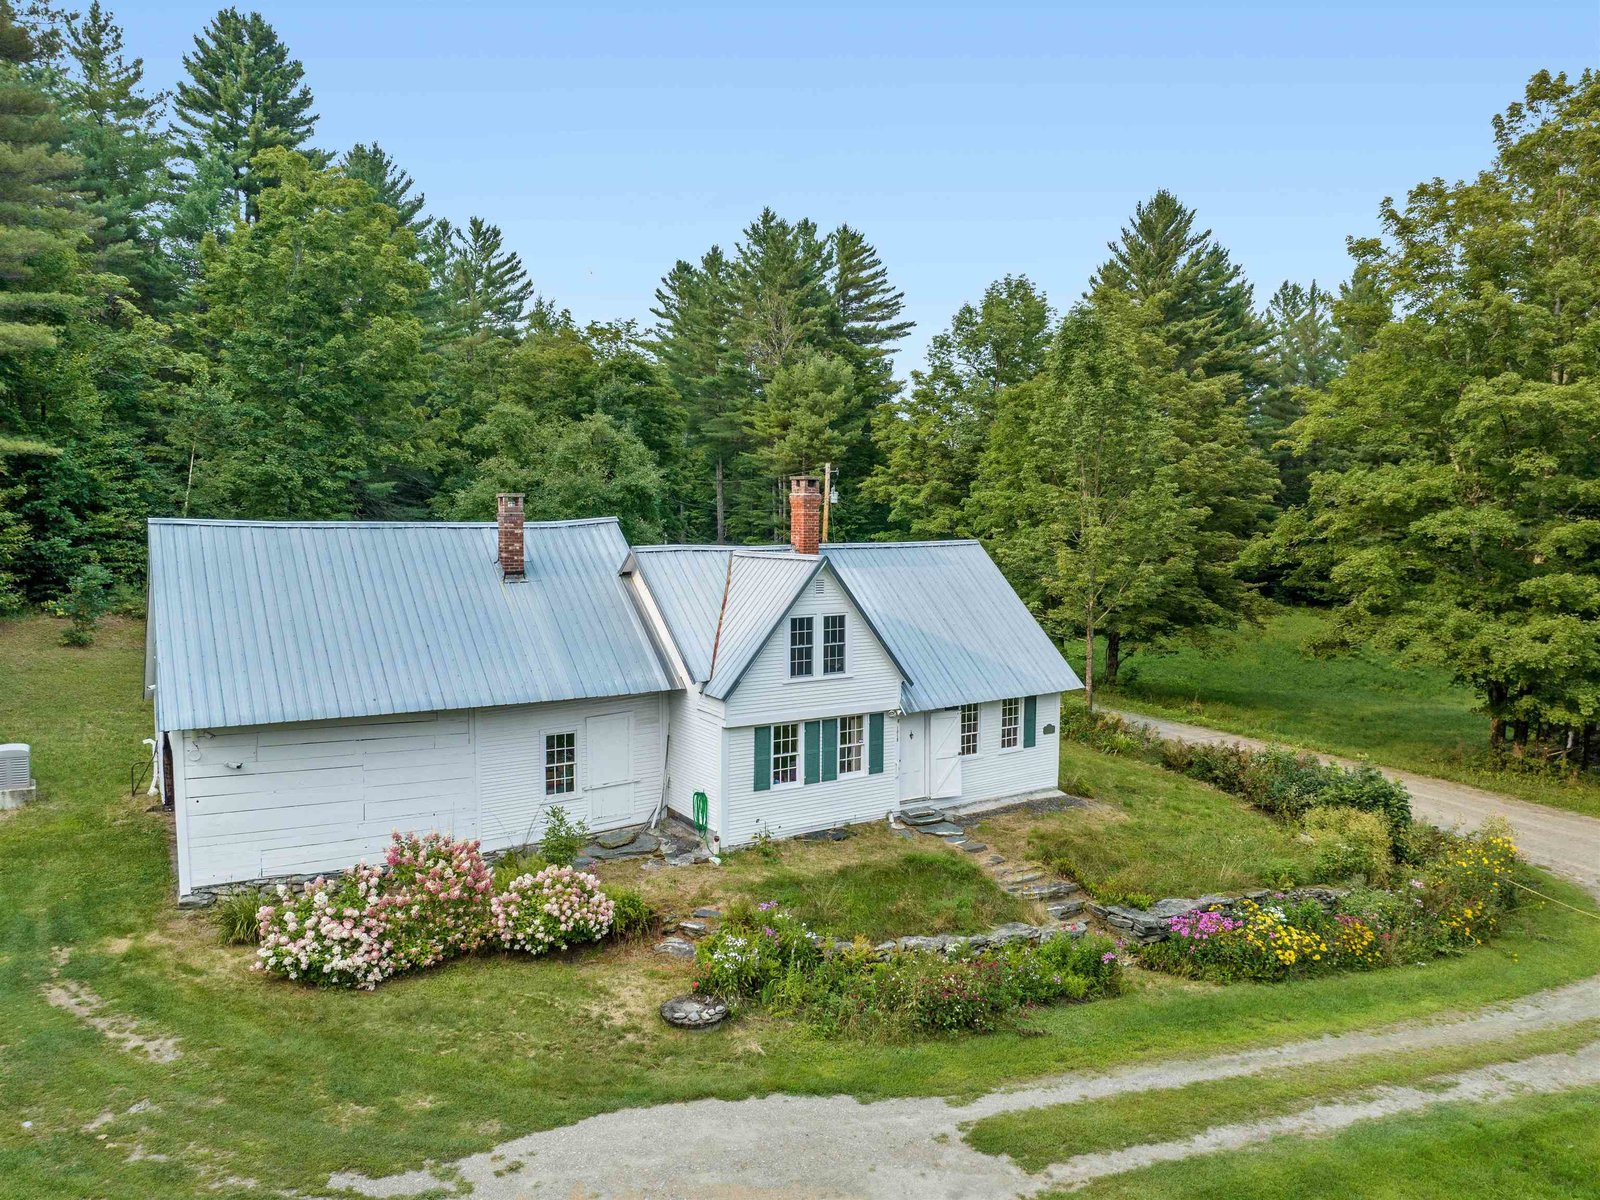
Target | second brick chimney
(805,513)
(512,562)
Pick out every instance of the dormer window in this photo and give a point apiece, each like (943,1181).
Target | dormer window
(833,644)
(801,639)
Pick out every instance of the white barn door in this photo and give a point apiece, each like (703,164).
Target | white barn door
(609,769)
(944,736)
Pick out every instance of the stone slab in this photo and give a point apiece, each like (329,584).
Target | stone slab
(675,947)
(694,1012)
(615,839)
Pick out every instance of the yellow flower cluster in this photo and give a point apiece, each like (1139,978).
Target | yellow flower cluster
(1266,932)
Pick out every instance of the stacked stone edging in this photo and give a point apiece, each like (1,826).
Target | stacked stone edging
(1151,924)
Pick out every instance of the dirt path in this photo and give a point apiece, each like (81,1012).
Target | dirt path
(819,1148)
(1567,843)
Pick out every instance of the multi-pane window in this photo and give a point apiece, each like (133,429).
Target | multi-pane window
(786,753)
(800,645)
(833,644)
(560,763)
(969,729)
(1010,723)
(852,743)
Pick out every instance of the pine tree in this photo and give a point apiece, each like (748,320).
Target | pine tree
(389,182)
(243,95)
(780,292)
(41,224)
(1302,355)
(114,128)
(1202,302)
(482,287)
(867,312)
(801,422)
(309,316)
(931,441)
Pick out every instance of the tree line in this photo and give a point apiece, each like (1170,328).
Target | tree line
(204,313)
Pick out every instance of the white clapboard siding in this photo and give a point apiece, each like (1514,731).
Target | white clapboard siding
(786,811)
(993,773)
(510,765)
(870,683)
(320,796)
(694,756)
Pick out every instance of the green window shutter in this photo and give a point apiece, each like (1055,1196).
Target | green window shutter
(830,749)
(1030,719)
(875,744)
(813,751)
(763,779)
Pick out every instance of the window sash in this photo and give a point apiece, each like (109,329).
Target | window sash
(785,754)
(800,646)
(833,644)
(969,730)
(560,764)
(852,745)
(1010,723)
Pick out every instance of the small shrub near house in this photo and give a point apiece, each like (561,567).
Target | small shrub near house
(1349,844)
(557,908)
(767,957)
(434,899)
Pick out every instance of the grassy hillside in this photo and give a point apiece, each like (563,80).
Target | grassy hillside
(1262,684)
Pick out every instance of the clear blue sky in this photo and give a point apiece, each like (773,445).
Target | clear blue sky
(609,140)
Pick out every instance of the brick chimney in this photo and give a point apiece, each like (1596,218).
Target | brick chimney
(805,513)
(512,565)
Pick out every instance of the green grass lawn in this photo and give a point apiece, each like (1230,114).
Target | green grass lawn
(913,891)
(1035,1138)
(1260,683)
(1152,831)
(282,1085)
(1537,1148)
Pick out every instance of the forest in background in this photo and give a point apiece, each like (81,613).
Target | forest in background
(204,313)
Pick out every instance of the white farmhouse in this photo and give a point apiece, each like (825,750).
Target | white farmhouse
(319,684)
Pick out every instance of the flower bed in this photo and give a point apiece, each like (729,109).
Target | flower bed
(769,958)
(1454,899)
(432,900)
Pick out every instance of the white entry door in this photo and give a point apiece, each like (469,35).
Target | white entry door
(913,757)
(608,769)
(944,749)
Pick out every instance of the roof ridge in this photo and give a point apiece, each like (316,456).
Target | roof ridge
(892,545)
(243,524)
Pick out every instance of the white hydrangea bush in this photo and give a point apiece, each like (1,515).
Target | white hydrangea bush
(329,933)
(557,908)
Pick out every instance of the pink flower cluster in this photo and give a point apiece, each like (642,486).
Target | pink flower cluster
(1201,926)
(430,901)
(552,910)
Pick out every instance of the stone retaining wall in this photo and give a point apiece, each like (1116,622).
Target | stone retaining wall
(1150,924)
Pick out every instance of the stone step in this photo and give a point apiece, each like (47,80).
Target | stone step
(1065,908)
(969,847)
(1013,878)
(1045,891)
(922,816)
(942,829)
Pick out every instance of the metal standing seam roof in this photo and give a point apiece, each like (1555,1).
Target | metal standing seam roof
(761,589)
(949,617)
(255,623)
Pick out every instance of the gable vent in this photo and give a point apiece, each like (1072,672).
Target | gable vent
(819,588)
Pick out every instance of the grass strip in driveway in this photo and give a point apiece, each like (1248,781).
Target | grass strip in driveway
(1533,1148)
(1036,1138)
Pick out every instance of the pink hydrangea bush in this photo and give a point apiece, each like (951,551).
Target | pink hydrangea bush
(428,902)
(329,934)
(557,908)
(434,899)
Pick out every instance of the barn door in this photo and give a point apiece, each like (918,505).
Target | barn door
(609,769)
(944,736)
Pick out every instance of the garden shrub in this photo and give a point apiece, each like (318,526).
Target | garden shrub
(632,916)
(329,934)
(849,989)
(557,908)
(515,863)
(237,916)
(1349,843)
(434,899)
(564,838)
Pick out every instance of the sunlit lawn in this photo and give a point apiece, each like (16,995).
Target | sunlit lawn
(282,1085)
(1261,683)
